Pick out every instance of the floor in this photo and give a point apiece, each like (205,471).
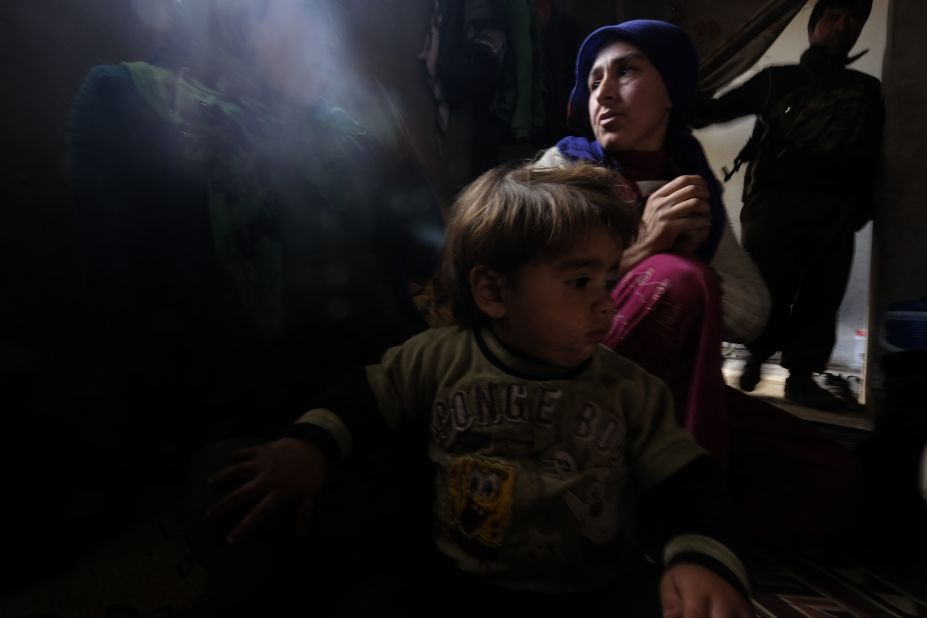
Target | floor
(771,389)
(840,586)
(141,567)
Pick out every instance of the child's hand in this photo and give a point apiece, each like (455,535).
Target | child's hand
(692,591)
(268,476)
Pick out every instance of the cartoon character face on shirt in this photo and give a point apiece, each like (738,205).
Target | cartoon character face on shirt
(596,509)
(480,495)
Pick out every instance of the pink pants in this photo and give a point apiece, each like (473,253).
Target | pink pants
(669,322)
(791,483)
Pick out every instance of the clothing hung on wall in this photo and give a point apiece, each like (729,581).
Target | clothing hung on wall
(509,63)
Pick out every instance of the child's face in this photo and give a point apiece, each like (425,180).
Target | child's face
(558,309)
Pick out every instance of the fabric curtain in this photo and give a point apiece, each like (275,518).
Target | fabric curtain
(744,46)
(729,36)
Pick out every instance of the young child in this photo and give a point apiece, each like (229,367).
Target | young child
(557,463)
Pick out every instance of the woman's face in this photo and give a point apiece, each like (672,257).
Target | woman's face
(628,103)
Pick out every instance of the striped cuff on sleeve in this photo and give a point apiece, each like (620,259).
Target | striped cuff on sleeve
(329,421)
(694,547)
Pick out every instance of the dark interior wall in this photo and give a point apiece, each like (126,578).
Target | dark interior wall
(901,261)
(591,14)
(899,241)
(46,47)
(391,34)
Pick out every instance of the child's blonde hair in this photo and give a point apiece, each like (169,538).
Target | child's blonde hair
(509,217)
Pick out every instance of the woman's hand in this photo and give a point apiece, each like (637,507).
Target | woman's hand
(677,216)
(692,591)
(267,476)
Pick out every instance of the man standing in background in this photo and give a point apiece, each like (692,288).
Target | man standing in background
(812,162)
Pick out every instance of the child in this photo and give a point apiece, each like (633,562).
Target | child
(553,457)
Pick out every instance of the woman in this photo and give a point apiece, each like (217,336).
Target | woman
(687,281)
(635,86)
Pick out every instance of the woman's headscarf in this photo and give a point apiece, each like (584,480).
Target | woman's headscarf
(671,52)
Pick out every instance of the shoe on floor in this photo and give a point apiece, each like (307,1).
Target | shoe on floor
(750,376)
(805,391)
(839,387)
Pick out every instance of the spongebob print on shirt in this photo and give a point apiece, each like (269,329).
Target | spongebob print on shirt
(537,470)
(517,455)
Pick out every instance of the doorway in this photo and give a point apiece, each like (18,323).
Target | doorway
(722,143)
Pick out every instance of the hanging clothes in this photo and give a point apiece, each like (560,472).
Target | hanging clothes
(559,43)
(463,53)
(518,101)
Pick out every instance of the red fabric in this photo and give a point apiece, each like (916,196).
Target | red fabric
(668,321)
(644,165)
